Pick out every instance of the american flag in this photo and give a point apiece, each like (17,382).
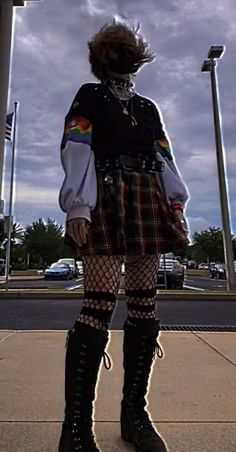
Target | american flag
(9,126)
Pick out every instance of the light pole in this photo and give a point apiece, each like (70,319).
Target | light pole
(6,13)
(209,65)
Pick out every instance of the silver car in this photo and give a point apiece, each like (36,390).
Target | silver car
(170,272)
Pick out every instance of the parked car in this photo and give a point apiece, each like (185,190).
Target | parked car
(184,262)
(170,267)
(218,271)
(204,266)
(192,264)
(179,258)
(80,267)
(72,263)
(58,270)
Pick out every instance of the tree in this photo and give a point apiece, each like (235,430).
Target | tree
(17,234)
(44,241)
(208,245)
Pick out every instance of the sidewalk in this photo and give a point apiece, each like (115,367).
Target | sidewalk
(192,397)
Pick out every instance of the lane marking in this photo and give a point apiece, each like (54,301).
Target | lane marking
(74,287)
(194,288)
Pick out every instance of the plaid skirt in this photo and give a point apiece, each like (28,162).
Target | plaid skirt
(132,217)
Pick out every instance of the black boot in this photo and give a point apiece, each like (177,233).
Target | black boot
(140,344)
(85,348)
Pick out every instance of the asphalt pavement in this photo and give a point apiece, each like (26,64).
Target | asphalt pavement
(60,314)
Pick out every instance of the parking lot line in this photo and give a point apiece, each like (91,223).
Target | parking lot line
(77,286)
(194,288)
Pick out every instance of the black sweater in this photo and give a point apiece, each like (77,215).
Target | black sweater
(112,130)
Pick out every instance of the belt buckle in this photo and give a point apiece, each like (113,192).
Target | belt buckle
(153,166)
(124,157)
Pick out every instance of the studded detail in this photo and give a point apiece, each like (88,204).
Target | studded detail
(108,180)
(130,163)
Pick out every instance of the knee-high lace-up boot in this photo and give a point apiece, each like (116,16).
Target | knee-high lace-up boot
(85,349)
(139,346)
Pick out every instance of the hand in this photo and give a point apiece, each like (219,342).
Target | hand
(78,229)
(180,217)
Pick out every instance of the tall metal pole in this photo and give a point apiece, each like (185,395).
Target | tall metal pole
(8,251)
(6,13)
(227,237)
(6,10)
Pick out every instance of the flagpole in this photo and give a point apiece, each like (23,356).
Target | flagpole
(10,222)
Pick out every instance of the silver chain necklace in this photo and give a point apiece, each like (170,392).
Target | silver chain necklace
(124,93)
(123,89)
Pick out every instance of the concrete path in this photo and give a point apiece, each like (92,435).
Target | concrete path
(192,395)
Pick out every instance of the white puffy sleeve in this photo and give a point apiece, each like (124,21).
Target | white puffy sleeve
(170,181)
(78,193)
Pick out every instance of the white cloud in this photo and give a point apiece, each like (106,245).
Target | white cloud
(197,224)
(50,61)
(94,8)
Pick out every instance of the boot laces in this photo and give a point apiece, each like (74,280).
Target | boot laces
(158,350)
(106,357)
(143,423)
(106,361)
(83,438)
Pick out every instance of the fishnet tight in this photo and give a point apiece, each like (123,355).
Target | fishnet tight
(140,286)
(102,280)
(101,284)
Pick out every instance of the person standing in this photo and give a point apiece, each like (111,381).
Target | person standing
(124,199)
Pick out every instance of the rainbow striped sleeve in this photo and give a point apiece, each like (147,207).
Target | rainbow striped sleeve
(163,145)
(78,130)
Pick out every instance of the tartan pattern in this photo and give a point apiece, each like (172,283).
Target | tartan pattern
(132,216)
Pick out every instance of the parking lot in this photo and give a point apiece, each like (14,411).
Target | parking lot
(193,282)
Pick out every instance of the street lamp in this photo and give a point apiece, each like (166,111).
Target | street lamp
(6,13)
(209,65)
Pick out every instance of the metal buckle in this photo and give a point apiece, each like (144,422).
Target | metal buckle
(162,167)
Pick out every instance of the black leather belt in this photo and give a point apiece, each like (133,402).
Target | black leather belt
(130,163)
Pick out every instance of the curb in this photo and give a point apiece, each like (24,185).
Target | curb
(169,295)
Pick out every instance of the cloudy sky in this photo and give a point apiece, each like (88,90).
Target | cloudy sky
(49,63)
